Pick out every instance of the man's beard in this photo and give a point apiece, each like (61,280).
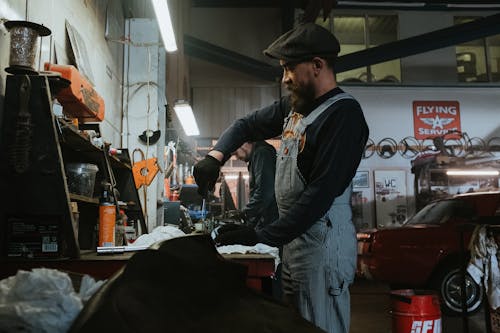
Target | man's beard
(302,97)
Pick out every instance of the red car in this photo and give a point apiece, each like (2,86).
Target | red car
(425,251)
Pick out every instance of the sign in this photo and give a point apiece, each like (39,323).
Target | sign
(390,198)
(361,200)
(436,118)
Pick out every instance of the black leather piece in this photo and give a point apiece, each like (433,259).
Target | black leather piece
(236,234)
(184,285)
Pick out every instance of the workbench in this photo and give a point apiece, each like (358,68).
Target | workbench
(102,266)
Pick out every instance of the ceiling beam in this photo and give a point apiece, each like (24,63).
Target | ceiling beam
(360,4)
(438,39)
(207,51)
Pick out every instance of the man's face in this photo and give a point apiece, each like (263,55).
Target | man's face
(243,153)
(298,78)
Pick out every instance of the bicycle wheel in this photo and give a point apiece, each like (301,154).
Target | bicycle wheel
(409,147)
(369,149)
(455,147)
(493,144)
(476,147)
(387,148)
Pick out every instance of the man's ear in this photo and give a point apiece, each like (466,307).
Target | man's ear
(317,64)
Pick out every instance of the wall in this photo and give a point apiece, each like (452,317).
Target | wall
(144,108)
(101,24)
(105,56)
(389,113)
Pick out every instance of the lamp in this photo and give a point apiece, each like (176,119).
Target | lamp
(186,117)
(165,24)
(478,172)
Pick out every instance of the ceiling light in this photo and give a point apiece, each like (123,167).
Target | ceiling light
(186,117)
(472,6)
(380,4)
(165,24)
(234,177)
(483,172)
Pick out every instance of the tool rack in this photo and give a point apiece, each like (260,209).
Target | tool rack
(36,216)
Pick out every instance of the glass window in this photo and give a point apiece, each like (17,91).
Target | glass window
(350,31)
(493,47)
(357,33)
(441,211)
(383,30)
(474,63)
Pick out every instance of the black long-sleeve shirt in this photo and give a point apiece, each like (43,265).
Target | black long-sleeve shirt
(332,152)
(261,208)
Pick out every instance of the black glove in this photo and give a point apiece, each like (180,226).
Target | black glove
(236,234)
(205,174)
(237,215)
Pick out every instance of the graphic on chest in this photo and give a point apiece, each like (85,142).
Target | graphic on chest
(294,131)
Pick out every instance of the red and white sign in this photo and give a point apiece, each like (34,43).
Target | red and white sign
(436,118)
(426,326)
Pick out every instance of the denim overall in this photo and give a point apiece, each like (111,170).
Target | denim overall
(319,265)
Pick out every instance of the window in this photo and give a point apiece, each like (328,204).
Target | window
(441,211)
(478,60)
(357,33)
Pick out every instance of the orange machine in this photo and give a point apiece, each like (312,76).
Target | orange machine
(79,100)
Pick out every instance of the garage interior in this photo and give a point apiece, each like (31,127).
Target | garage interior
(93,95)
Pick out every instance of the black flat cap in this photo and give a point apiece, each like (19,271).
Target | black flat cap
(305,41)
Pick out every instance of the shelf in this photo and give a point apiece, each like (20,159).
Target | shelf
(77,141)
(81,198)
(42,227)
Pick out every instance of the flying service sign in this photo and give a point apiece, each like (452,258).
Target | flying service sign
(436,118)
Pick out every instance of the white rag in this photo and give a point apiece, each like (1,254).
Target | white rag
(257,248)
(483,264)
(158,234)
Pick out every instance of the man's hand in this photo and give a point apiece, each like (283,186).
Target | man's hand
(236,234)
(237,215)
(205,174)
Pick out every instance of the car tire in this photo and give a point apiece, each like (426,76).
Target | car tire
(448,284)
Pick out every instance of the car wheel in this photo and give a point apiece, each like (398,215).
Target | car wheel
(448,284)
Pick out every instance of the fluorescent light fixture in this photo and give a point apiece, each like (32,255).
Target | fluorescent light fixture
(381,4)
(186,117)
(234,177)
(472,6)
(478,172)
(165,24)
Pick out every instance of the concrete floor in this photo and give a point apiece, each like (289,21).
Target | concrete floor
(370,311)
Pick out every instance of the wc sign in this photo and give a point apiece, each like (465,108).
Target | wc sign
(436,118)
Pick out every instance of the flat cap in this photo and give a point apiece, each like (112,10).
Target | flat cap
(303,42)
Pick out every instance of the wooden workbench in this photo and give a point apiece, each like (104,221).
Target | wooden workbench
(101,266)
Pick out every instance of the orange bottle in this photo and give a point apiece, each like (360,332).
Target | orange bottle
(107,220)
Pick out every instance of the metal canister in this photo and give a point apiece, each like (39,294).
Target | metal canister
(107,220)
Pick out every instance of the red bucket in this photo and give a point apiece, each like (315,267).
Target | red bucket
(415,311)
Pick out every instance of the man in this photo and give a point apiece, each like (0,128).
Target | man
(261,209)
(323,133)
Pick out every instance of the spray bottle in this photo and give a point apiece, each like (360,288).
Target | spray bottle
(107,218)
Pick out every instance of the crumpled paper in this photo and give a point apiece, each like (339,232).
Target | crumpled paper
(42,300)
